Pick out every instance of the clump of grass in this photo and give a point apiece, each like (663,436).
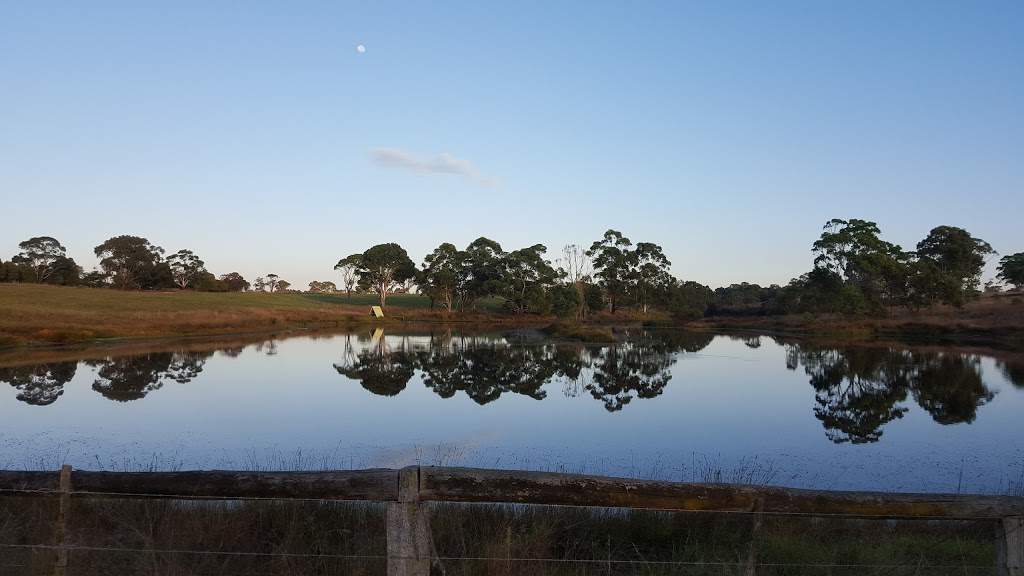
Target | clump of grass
(580,333)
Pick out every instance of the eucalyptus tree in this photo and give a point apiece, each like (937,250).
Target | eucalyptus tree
(272,282)
(132,262)
(853,250)
(384,265)
(953,260)
(322,287)
(349,268)
(235,282)
(484,270)
(42,253)
(577,268)
(613,263)
(186,267)
(1011,270)
(443,277)
(650,277)
(529,277)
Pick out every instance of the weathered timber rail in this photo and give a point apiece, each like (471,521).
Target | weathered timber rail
(407,491)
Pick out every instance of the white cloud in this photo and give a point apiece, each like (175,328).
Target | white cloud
(441,164)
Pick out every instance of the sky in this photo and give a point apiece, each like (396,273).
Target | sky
(258,135)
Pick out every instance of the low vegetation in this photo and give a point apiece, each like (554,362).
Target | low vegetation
(318,537)
(580,333)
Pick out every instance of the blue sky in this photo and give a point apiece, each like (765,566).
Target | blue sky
(258,136)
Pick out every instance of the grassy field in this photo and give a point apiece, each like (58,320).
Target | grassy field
(40,314)
(32,314)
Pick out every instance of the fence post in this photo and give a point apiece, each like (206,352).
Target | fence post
(60,566)
(751,568)
(1010,546)
(408,528)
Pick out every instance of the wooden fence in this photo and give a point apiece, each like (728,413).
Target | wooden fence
(408,491)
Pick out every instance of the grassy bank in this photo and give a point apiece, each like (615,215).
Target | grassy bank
(991,322)
(318,537)
(33,314)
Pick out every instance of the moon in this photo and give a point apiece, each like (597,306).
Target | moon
(361,48)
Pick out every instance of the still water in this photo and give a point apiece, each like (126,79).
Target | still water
(664,405)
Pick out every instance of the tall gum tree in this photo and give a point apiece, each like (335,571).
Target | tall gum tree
(613,262)
(42,253)
(186,267)
(349,268)
(576,266)
(484,270)
(956,260)
(650,277)
(384,265)
(442,278)
(1011,270)
(529,277)
(131,261)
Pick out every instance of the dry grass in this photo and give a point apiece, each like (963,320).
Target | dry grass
(988,322)
(39,314)
(125,537)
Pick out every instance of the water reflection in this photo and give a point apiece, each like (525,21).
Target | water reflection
(127,378)
(1014,372)
(379,368)
(39,384)
(859,390)
(486,368)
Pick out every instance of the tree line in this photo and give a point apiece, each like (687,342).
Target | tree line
(855,272)
(126,263)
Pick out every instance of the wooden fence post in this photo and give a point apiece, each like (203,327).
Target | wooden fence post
(408,528)
(751,568)
(1010,546)
(60,566)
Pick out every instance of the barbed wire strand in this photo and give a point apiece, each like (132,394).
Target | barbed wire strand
(462,558)
(74,548)
(189,497)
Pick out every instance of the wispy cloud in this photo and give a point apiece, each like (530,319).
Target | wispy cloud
(396,158)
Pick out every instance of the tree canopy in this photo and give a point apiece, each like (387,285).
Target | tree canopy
(186,267)
(1011,270)
(42,253)
(384,265)
(132,263)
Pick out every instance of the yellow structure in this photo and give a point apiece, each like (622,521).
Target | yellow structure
(376,311)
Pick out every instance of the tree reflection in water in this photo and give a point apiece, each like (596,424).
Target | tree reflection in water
(39,384)
(949,387)
(127,378)
(485,368)
(1013,371)
(380,369)
(858,390)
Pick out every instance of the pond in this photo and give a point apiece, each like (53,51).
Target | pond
(669,405)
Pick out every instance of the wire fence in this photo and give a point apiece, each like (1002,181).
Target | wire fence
(99,532)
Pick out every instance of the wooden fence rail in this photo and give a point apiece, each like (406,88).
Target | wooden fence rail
(407,492)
